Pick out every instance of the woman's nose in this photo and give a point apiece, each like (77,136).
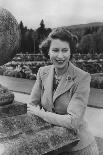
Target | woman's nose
(60,54)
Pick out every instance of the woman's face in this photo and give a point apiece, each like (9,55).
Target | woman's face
(59,53)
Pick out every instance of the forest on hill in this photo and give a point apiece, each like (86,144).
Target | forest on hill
(90,37)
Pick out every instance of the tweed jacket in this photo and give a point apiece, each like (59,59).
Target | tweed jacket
(70,97)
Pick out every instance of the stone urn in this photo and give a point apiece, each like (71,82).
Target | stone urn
(9,36)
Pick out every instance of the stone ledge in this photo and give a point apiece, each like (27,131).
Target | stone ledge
(29,135)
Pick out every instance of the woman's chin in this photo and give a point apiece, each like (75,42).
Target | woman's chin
(59,66)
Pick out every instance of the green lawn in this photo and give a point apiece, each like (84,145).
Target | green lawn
(17,84)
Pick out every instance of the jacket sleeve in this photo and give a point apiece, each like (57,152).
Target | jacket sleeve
(77,106)
(35,96)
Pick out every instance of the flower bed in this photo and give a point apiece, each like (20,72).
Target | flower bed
(24,66)
(27,70)
(22,72)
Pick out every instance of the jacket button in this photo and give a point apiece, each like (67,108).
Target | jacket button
(69,78)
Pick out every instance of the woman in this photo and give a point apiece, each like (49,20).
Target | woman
(61,91)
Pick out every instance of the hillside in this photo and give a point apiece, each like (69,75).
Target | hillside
(82,29)
(95,24)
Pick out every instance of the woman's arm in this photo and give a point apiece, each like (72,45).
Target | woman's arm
(56,119)
(52,118)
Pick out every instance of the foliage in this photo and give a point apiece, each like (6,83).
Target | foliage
(31,39)
(27,74)
(97,81)
(90,37)
(91,43)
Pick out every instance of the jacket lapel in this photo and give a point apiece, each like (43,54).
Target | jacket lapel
(48,88)
(66,82)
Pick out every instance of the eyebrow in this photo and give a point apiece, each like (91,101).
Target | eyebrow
(66,48)
(54,48)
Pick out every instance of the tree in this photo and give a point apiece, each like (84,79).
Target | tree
(42,25)
(41,34)
(86,44)
(21,27)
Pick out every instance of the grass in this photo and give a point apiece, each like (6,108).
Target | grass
(17,84)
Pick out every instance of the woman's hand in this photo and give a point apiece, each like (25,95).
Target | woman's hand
(35,110)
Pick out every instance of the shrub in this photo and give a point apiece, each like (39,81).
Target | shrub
(1,71)
(32,77)
(97,81)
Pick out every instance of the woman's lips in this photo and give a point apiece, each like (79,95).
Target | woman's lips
(60,61)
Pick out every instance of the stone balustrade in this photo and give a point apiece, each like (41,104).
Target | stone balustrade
(27,134)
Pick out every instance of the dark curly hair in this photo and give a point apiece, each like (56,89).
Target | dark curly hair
(64,35)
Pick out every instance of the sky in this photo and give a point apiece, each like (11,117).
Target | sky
(54,12)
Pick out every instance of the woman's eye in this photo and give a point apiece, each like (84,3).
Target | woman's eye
(64,50)
(55,50)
